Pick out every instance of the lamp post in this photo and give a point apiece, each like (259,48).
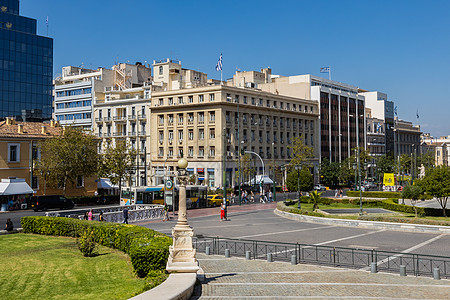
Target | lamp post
(299,205)
(359,164)
(182,254)
(273,169)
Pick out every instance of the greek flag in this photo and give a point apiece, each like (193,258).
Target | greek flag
(219,63)
(46,21)
(395,110)
(417,114)
(325,70)
(378,127)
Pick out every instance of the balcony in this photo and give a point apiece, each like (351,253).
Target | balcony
(117,134)
(120,118)
(142,116)
(131,117)
(107,119)
(98,120)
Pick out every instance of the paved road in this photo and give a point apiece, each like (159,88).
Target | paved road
(258,222)
(237,278)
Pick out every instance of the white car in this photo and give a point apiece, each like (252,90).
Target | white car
(319,187)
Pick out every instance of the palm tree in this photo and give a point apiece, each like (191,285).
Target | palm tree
(315,197)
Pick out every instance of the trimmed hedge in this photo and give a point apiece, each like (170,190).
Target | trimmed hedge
(391,204)
(148,249)
(404,220)
(375,194)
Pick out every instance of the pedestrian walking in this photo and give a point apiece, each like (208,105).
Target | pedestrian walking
(252,197)
(262,198)
(86,215)
(166,213)
(90,215)
(100,217)
(222,212)
(125,215)
(270,196)
(244,196)
(340,192)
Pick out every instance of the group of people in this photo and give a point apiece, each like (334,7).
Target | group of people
(89,215)
(339,193)
(250,197)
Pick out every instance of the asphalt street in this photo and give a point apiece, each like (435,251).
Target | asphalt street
(258,222)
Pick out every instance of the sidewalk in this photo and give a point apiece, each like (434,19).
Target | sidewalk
(237,278)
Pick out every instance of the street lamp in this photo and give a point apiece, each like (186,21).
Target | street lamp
(359,164)
(182,254)
(262,162)
(298,167)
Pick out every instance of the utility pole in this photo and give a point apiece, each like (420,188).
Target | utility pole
(224,169)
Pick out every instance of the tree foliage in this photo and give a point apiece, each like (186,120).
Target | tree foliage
(329,173)
(437,184)
(67,156)
(117,162)
(300,153)
(315,198)
(305,182)
(412,192)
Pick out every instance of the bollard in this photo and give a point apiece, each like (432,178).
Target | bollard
(436,274)
(227,252)
(402,270)
(269,257)
(373,267)
(208,250)
(293,259)
(248,255)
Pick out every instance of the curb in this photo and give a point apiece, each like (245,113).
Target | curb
(366,224)
(16,230)
(179,286)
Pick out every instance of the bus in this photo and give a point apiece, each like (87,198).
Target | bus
(195,196)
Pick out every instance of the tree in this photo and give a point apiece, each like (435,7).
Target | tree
(315,198)
(437,184)
(117,162)
(405,163)
(300,152)
(346,172)
(305,182)
(427,160)
(66,157)
(385,164)
(329,172)
(412,192)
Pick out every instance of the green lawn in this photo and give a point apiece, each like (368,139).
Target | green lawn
(47,267)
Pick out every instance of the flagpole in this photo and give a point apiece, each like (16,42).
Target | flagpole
(329,73)
(47,25)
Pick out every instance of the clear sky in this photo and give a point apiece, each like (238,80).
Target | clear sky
(397,47)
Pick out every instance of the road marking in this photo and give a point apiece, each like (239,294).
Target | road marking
(406,251)
(282,232)
(285,272)
(349,237)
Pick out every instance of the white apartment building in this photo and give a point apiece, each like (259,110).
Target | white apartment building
(77,88)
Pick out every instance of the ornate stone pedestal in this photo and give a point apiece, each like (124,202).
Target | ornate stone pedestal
(182,254)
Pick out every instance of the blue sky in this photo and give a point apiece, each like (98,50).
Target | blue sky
(397,47)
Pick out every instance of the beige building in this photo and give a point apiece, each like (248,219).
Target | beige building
(439,147)
(19,152)
(201,123)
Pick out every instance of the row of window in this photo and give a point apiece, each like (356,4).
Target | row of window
(74,104)
(78,116)
(74,92)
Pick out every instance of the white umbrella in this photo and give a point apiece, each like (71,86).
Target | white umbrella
(14,186)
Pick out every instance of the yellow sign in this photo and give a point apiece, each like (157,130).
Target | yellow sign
(388,179)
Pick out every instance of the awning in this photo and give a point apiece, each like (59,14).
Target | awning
(105,183)
(259,178)
(14,186)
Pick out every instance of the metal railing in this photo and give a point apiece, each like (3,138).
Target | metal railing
(387,261)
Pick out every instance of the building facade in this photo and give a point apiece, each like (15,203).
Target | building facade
(26,67)
(341,109)
(77,89)
(407,137)
(19,152)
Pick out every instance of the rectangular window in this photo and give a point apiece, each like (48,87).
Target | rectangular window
(201,134)
(191,151)
(201,151)
(161,151)
(180,100)
(80,181)
(35,182)
(191,134)
(200,98)
(13,152)
(211,97)
(191,99)
(212,133)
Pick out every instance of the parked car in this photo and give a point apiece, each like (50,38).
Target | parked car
(319,187)
(50,201)
(216,200)
(370,186)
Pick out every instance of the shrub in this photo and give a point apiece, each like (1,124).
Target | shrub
(404,220)
(375,194)
(86,243)
(392,204)
(148,249)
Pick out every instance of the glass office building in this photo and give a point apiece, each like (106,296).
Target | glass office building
(26,66)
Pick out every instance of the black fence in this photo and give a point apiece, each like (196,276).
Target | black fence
(416,264)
